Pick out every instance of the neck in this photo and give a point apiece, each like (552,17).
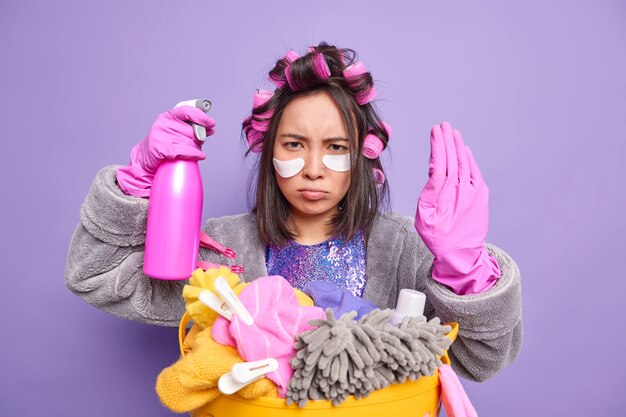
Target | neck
(310,229)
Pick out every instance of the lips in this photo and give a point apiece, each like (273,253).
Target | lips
(312,194)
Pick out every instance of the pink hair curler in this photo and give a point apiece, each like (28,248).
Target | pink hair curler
(289,58)
(288,77)
(262,125)
(387,128)
(372,146)
(254,135)
(379,177)
(261,97)
(366,96)
(354,70)
(321,66)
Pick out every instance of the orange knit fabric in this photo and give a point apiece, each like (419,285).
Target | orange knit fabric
(191,382)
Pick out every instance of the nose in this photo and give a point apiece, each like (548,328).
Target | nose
(313,166)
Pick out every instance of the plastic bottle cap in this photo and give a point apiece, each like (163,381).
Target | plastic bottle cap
(410,303)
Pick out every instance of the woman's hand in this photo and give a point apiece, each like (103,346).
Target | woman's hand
(170,137)
(452,215)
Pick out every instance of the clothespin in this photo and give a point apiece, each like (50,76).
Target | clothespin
(232,301)
(228,304)
(212,301)
(235,269)
(208,242)
(245,373)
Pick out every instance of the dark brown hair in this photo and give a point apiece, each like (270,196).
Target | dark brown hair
(363,200)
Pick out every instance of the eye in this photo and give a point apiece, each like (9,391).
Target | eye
(292,145)
(338,148)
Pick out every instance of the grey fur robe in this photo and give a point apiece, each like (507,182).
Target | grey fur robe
(105,261)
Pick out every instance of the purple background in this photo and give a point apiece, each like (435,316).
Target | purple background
(537,89)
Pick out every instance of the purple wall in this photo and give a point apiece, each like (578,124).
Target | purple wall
(537,89)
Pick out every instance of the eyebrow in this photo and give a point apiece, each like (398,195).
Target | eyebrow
(304,138)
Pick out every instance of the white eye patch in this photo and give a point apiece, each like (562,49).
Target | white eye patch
(287,169)
(339,163)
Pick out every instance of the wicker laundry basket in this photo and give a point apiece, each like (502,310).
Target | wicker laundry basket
(420,398)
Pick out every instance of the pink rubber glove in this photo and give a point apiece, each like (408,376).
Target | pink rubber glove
(170,137)
(453,395)
(452,215)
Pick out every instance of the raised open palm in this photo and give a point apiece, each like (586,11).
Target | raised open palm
(452,214)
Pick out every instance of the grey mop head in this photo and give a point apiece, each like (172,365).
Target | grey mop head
(347,357)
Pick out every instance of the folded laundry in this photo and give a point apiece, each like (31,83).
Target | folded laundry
(192,381)
(325,294)
(342,357)
(278,318)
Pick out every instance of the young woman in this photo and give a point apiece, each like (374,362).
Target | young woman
(317,214)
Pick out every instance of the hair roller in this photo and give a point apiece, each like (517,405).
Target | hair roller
(365,96)
(321,66)
(255,139)
(278,83)
(372,146)
(379,177)
(261,98)
(288,77)
(354,70)
(290,57)
(351,74)
(387,129)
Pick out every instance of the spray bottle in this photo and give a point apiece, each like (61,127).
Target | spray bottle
(175,214)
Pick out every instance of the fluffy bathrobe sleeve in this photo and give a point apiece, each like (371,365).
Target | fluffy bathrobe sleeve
(105,258)
(490,323)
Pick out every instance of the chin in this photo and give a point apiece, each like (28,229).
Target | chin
(313,208)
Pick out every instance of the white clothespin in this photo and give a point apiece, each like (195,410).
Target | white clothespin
(212,301)
(232,301)
(245,373)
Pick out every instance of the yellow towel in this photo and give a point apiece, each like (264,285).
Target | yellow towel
(191,382)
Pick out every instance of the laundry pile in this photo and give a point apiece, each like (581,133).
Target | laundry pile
(267,339)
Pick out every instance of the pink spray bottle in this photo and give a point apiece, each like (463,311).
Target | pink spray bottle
(175,214)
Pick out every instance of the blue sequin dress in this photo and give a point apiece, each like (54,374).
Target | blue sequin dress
(327,261)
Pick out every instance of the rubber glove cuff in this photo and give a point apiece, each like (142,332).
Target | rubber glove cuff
(466,273)
(133,179)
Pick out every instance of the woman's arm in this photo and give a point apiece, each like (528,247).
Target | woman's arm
(490,323)
(105,258)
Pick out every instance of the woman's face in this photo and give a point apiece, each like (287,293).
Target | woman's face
(310,128)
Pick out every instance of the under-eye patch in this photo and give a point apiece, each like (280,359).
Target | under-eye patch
(287,169)
(339,163)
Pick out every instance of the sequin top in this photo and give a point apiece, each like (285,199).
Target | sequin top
(300,264)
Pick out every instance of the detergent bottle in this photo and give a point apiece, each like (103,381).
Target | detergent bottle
(175,214)
(410,303)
